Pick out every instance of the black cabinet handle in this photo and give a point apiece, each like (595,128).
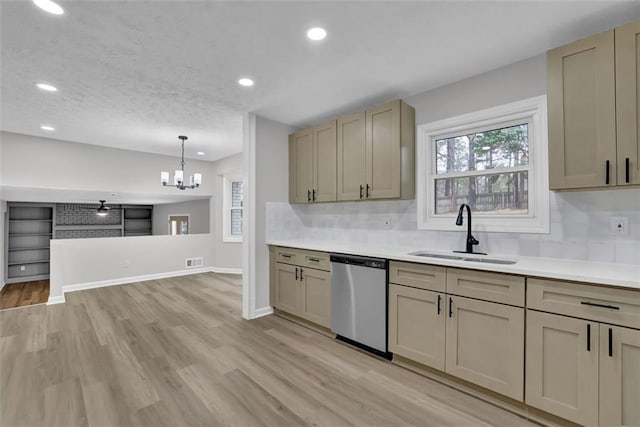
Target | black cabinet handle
(296,273)
(313,195)
(607,172)
(450,307)
(595,304)
(314,260)
(588,337)
(308,195)
(361,188)
(367,193)
(626,170)
(439,298)
(610,342)
(301,275)
(285,255)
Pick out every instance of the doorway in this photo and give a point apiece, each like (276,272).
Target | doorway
(178,224)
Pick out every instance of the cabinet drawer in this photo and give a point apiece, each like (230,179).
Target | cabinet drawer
(423,276)
(317,260)
(609,305)
(288,256)
(495,287)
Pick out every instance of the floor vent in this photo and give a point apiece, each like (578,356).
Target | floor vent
(194,262)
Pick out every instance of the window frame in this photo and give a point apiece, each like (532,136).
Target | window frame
(532,111)
(227,237)
(188,224)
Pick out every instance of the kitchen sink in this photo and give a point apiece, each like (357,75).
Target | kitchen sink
(462,257)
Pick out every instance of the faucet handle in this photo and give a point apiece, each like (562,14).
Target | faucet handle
(473,240)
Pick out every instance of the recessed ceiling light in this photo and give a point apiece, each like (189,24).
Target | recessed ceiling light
(317,33)
(245,82)
(49,128)
(200,153)
(47,87)
(49,6)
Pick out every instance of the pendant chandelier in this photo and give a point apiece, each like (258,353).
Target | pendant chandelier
(178,178)
(102,209)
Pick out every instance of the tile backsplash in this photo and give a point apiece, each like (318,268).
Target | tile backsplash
(579,227)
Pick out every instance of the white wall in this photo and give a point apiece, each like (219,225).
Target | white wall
(91,262)
(29,161)
(579,220)
(271,185)
(198,211)
(228,254)
(3,243)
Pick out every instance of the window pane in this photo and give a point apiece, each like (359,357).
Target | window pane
(499,148)
(504,193)
(236,194)
(236,222)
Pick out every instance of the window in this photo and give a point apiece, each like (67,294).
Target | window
(233,206)
(494,160)
(178,224)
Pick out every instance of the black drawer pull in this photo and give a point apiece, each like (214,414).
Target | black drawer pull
(439,298)
(450,307)
(314,260)
(296,273)
(626,170)
(607,172)
(285,255)
(610,342)
(588,337)
(595,304)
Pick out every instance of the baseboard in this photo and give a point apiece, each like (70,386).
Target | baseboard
(261,312)
(224,270)
(56,300)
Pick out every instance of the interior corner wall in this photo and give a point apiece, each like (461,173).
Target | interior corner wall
(198,211)
(3,245)
(228,254)
(271,185)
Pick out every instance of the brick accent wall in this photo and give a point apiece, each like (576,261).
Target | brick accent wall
(78,214)
(84,234)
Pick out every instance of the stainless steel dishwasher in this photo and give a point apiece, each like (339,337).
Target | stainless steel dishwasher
(359,301)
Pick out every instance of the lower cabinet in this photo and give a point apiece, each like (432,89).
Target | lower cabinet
(304,292)
(485,344)
(562,366)
(584,371)
(417,325)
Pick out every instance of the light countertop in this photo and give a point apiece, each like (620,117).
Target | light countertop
(613,274)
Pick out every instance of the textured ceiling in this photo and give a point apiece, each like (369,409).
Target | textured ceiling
(136,74)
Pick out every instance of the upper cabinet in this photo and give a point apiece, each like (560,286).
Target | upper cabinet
(627,98)
(593,116)
(312,164)
(372,158)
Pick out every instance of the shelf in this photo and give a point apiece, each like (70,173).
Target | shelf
(30,234)
(30,249)
(72,227)
(29,262)
(30,220)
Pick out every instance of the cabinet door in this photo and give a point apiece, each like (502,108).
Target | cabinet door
(619,376)
(351,156)
(287,288)
(485,345)
(417,325)
(383,151)
(627,99)
(562,366)
(316,296)
(581,112)
(301,166)
(324,162)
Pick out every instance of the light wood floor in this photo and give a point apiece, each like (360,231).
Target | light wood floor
(176,352)
(26,293)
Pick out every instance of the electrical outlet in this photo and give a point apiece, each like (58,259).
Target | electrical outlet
(619,225)
(387,222)
(23,268)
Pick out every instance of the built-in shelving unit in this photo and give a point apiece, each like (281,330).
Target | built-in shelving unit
(138,220)
(29,231)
